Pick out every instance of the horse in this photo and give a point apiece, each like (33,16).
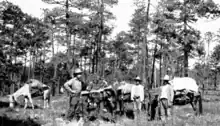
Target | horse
(186,91)
(31,88)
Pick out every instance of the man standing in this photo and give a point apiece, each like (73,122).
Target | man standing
(137,95)
(74,87)
(166,98)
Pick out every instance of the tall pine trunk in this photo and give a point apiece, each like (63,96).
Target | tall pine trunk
(99,42)
(145,48)
(185,63)
(160,65)
(93,59)
(85,62)
(29,70)
(68,38)
(153,66)
(23,76)
(34,57)
(44,58)
(185,41)
(53,53)
(74,44)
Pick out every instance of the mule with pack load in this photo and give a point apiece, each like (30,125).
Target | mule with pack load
(186,91)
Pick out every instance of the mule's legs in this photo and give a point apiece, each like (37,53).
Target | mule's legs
(12,101)
(153,109)
(200,103)
(44,103)
(11,104)
(193,103)
(197,104)
(46,97)
(25,102)
(122,107)
(30,99)
(48,103)
(144,108)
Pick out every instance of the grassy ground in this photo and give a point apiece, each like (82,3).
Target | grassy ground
(182,115)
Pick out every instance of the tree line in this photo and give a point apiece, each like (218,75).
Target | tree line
(77,33)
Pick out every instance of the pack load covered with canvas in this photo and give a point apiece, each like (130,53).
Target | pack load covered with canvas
(184,88)
(184,83)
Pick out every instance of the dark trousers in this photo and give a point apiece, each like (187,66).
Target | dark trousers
(77,108)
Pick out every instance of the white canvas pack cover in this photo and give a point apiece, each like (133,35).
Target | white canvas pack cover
(125,87)
(180,83)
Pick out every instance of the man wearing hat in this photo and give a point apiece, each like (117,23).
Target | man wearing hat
(137,94)
(74,87)
(166,98)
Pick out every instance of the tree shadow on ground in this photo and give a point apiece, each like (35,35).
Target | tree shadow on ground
(6,121)
(4,104)
(29,107)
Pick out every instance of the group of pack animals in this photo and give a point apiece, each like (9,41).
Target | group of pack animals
(114,98)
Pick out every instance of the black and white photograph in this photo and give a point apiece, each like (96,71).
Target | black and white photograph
(109,62)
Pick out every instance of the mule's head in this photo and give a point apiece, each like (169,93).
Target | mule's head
(36,84)
(32,83)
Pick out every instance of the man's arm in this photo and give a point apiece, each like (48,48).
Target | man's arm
(30,99)
(67,86)
(171,94)
(160,92)
(142,93)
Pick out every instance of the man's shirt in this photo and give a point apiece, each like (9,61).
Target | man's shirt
(137,91)
(167,93)
(74,84)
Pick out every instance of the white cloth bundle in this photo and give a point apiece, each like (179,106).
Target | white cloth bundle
(126,88)
(184,83)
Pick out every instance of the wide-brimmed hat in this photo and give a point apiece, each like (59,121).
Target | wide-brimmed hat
(166,77)
(77,71)
(137,78)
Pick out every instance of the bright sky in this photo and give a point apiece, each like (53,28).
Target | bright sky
(122,11)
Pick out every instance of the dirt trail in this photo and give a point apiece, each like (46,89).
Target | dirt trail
(8,121)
